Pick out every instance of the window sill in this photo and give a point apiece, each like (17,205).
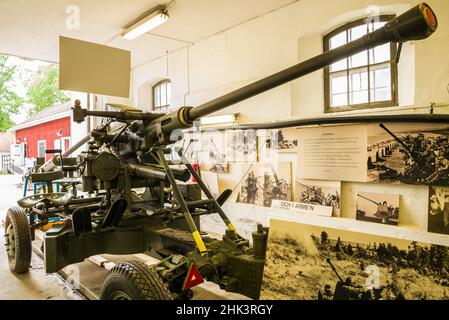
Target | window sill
(377,110)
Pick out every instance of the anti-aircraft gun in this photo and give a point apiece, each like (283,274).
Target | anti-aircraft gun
(347,290)
(383,212)
(109,216)
(414,171)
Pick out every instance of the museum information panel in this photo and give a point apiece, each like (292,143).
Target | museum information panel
(333,153)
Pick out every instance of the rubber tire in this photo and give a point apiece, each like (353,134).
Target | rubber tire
(22,237)
(137,280)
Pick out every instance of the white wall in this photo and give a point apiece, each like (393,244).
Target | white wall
(287,36)
(280,39)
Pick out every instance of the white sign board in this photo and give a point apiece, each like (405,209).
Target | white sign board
(337,153)
(302,207)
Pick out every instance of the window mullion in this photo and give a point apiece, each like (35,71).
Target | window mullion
(348,95)
(368,67)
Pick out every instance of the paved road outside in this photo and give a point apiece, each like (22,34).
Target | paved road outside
(34,285)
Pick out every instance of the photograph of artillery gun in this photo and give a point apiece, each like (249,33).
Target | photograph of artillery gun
(108,215)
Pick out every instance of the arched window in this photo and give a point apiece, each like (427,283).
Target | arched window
(365,80)
(161,95)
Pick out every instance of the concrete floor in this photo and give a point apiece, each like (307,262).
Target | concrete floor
(34,285)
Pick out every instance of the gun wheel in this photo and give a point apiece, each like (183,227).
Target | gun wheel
(134,280)
(18,240)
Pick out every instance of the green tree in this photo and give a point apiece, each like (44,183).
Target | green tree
(43,90)
(9,100)
(324,238)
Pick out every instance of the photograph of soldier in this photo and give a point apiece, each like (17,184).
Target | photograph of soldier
(318,192)
(309,262)
(378,207)
(264,182)
(283,140)
(213,155)
(241,145)
(438,221)
(414,154)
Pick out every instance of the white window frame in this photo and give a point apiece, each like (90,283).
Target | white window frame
(57,144)
(38,149)
(369,66)
(62,143)
(158,104)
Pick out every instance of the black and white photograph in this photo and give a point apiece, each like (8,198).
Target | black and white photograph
(438,221)
(211,181)
(319,192)
(378,207)
(413,154)
(213,157)
(264,182)
(241,145)
(307,262)
(284,140)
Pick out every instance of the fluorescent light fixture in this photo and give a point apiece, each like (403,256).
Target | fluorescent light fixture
(219,120)
(146,24)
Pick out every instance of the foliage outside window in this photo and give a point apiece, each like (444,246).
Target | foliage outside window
(364,80)
(161,95)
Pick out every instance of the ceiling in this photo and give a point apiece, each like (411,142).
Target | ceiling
(31,28)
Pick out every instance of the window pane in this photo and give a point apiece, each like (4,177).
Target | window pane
(339,84)
(338,40)
(358,60)
(380,54)
(41,149)
(340,65)
(358,79)
(376,25)
(381,77)
(168,92)
(163,94)
(157,101)
(383,94)
(357,32)
(358,86)
(339,100)
(358,97)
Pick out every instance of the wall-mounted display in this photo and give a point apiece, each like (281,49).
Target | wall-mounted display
(264,182)
(213,152)
(284,140)
(312,262)
(318,192)
(378,207)
(438,210)
(408,153)
(241,145)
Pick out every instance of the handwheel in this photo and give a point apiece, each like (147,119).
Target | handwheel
(134,280)
(18,240)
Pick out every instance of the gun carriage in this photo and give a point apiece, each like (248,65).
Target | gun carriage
(107,215)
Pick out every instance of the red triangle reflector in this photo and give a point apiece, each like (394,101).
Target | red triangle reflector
(193,278)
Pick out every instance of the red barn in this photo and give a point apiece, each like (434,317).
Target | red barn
(48,129)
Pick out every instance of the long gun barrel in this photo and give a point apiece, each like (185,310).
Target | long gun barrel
(358,195)
(52,163)
(415,24)
(395,137)
(333,268)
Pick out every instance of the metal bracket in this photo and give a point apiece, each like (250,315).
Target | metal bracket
(178,196)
